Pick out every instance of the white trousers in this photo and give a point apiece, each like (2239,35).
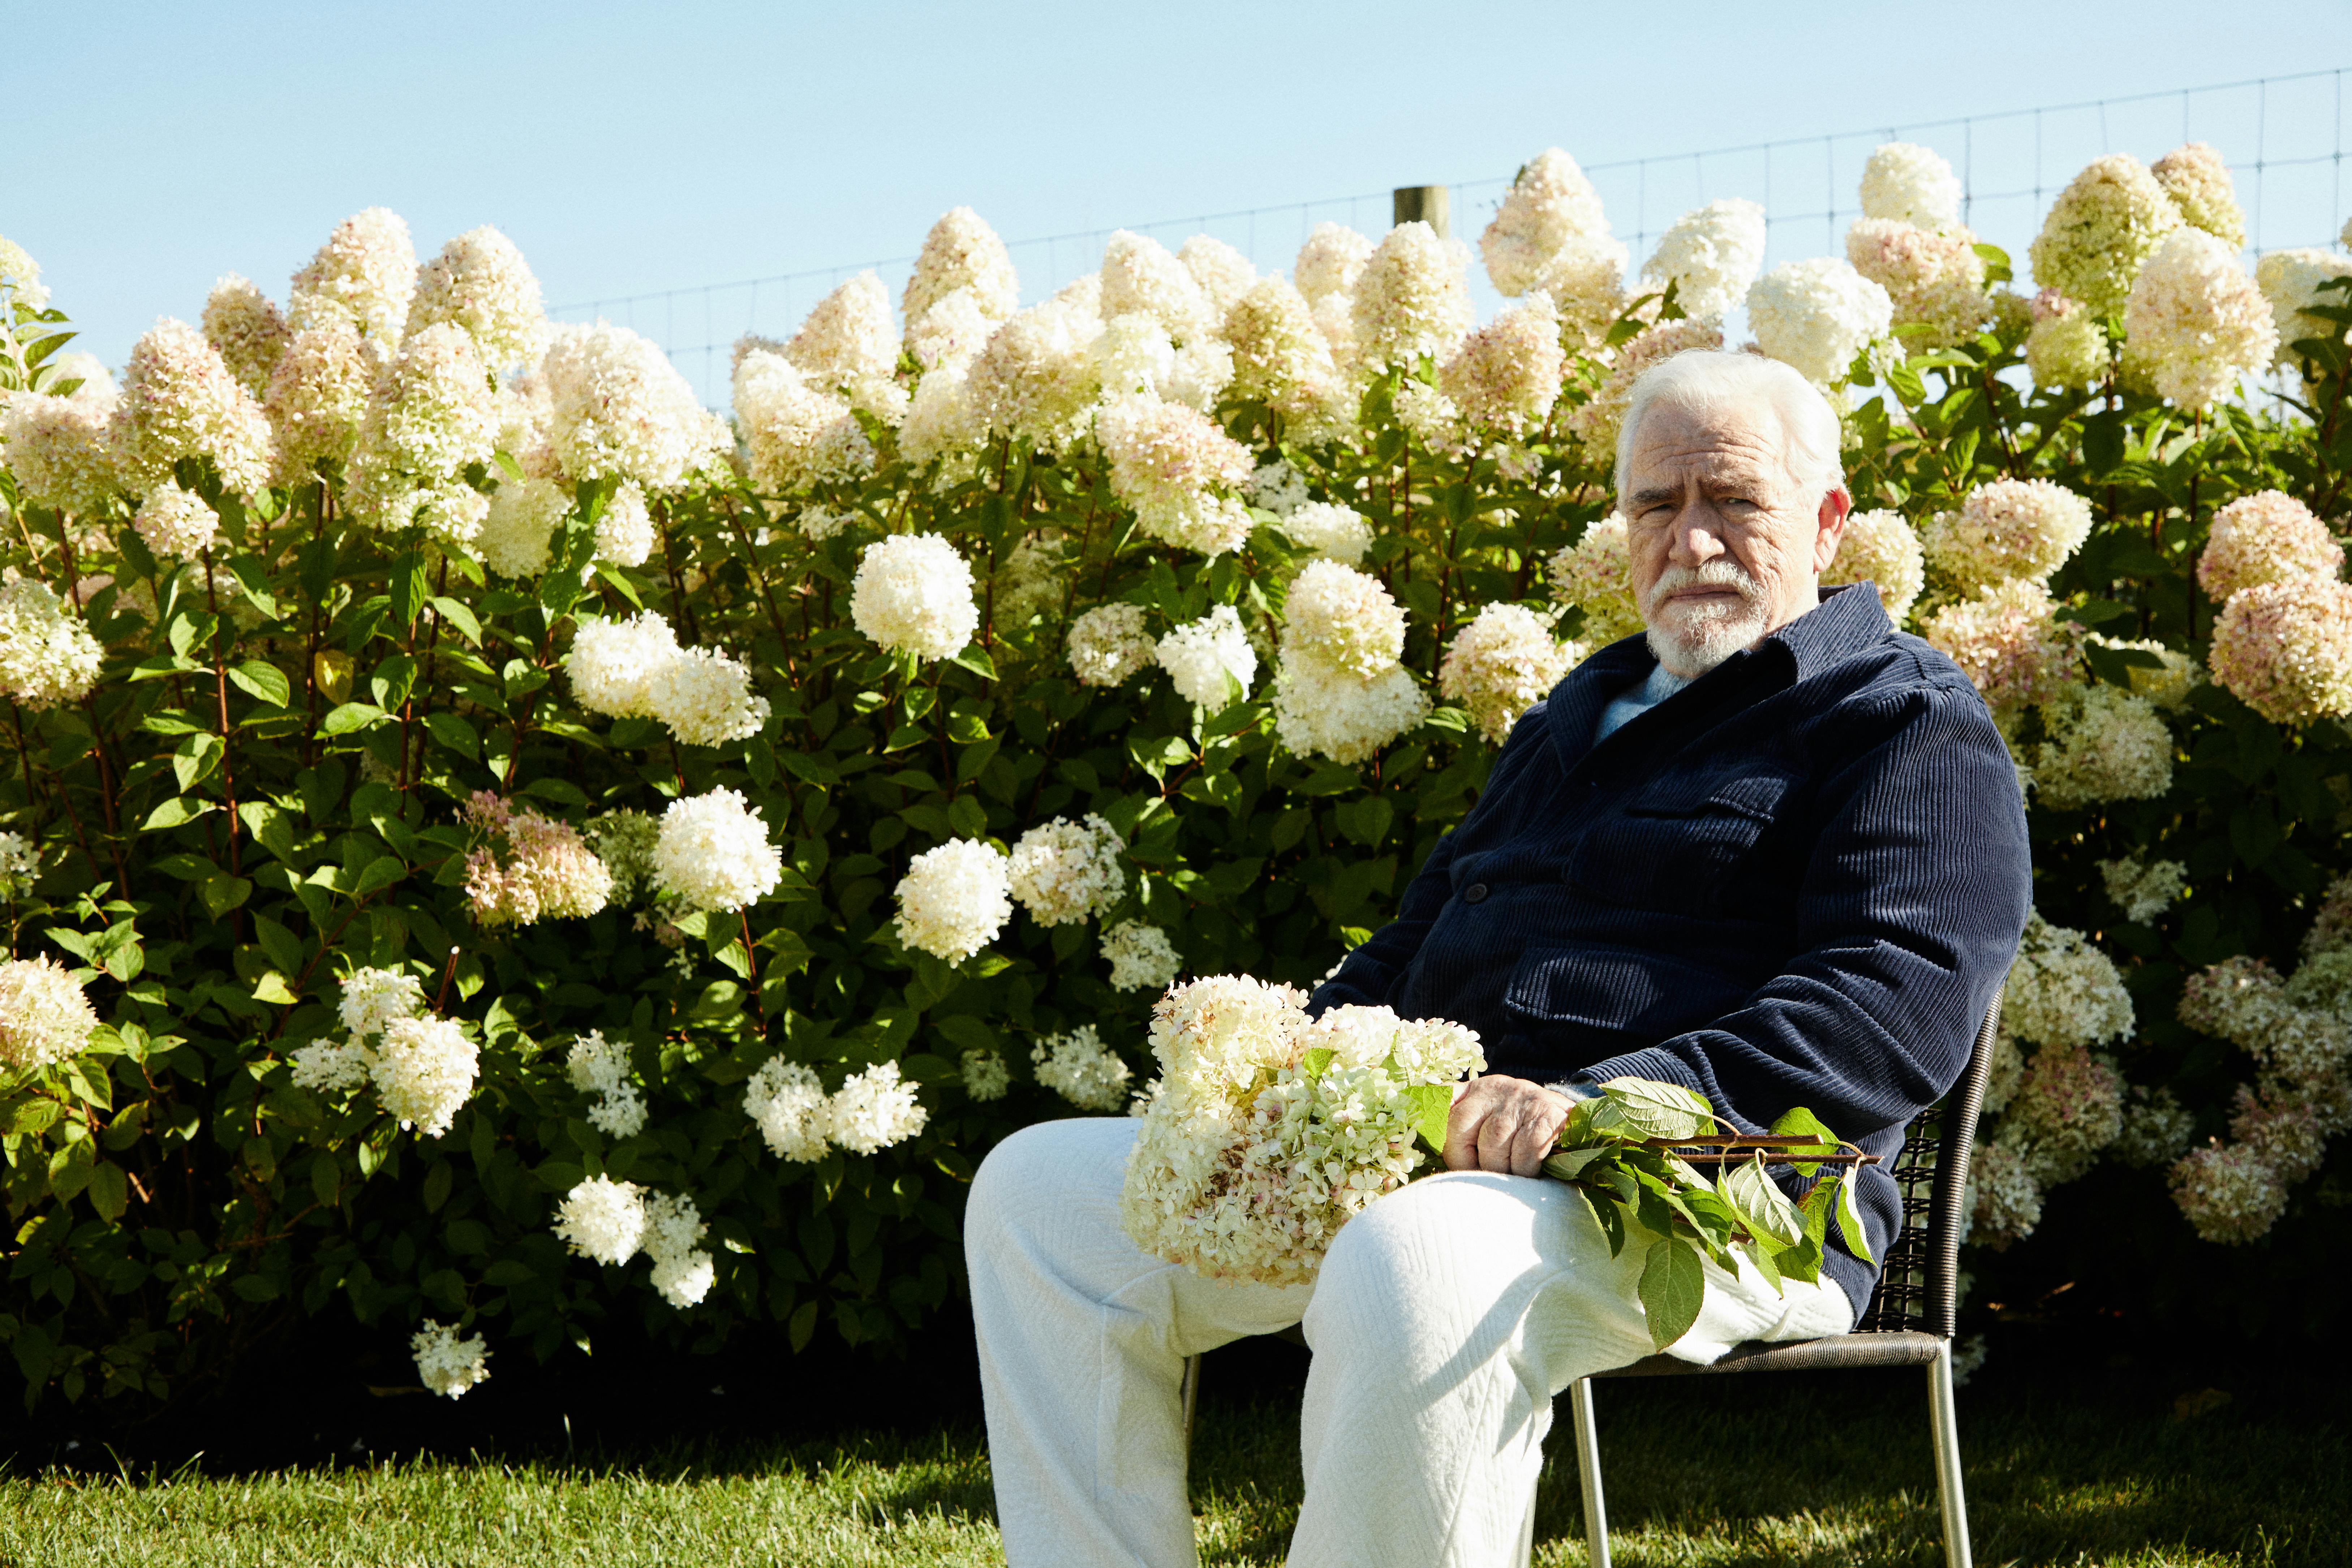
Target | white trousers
(1445,1317)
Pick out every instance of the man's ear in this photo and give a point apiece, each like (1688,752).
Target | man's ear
(1836,507)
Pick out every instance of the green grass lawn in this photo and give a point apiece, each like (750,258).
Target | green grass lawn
(1731,1473)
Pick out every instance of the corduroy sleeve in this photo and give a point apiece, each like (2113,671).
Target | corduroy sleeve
(1914,898)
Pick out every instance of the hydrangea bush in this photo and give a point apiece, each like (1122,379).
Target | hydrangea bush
(473,817)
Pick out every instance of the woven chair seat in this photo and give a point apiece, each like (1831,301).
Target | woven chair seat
(1890,1347)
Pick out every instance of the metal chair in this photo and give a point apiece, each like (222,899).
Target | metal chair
(1907,1324)
(1909,1321)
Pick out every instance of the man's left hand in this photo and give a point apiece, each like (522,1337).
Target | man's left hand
(1506,1125)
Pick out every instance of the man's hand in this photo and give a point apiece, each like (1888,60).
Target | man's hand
(1506,1125)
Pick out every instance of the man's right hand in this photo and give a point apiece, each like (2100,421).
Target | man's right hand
(1506,1125)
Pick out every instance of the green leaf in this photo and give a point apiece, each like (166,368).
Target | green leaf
(110,1193)
(257,677)
(1849,1219)
(1672,1289)
(381,873)
(221,892)
(349,717)
(453,732)
(1315,1060)
(1799,1125)
(1433,1103)
(456,613)
(1762,1204)
(1569,1165)
(1640,1108)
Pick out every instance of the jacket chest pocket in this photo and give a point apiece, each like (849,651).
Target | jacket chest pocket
(1681,842)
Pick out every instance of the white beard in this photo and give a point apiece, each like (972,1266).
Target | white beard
(1703,636)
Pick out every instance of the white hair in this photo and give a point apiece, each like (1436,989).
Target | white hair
(1707,381)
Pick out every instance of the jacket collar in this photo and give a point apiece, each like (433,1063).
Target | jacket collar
(1847,619)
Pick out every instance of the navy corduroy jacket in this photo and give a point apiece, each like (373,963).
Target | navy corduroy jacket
(1796,881)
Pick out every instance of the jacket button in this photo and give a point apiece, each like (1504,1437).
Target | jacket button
(1474,893)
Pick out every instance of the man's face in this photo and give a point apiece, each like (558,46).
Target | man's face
(1724,547)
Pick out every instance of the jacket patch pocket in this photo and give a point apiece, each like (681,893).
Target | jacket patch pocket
(1619,989)
(1675,845)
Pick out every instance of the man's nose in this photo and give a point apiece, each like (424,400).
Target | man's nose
(1696,543)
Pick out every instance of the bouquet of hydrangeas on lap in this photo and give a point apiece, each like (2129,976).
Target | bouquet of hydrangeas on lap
(1267,1130)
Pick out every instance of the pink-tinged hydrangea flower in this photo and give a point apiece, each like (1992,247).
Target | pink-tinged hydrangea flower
(1710,254)
(1507,375)
(48,656)
(248,331)
(180,400)
(1549,203)
(2196,320)
(2069,1108)
(1502,664)
(545,872)
(2100,232)
(361,281)
(318,399)
(2290,281)
(1138,275)
(1933,276)
(59,449)
(1601,418)
(2010,643)
(176,523)
(1331,262)
(1279,355)
(799,433)
(1343,619)
(1179,472)
(480,284)
(2266,537)
(2284,649)
(2198,183)
(2232,1196)
(848,345)
(961,252)
(1880,549)
(618,409)
(2005,529)
(1414,298)
(2283,1130)
(1593,575)
(1036,379)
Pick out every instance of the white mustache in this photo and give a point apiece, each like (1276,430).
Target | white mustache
(1720,573)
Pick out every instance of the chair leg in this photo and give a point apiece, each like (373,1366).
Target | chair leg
(1588,1473)
(1945,1419)
(1190,1391)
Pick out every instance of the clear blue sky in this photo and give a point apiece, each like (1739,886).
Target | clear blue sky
(630,148)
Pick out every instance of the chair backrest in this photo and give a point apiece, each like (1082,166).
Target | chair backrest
(1918,1288)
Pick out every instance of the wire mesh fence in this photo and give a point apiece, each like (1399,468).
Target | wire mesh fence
(2283,136)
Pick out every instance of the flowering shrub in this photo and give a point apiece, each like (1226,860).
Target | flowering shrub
(472,816)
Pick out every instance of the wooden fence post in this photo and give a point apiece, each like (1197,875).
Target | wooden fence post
(1424,204)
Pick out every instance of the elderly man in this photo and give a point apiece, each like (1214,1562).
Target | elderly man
(1773,851)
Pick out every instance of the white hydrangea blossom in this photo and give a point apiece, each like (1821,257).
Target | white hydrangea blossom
(1224,273)
(706,699)
(318,399)
(2007,529)
(798,433)
(1504,662)
(1140,275)
(1177,468)
(361,281)
(1201,656)
(848,345)
(787,1102)
(1414,298)
(913,594)
(1549,203)
(2105,744)
(22,275)
(375,999)
(683,1273)
(1330,262)
(1817,315)
(1064,871)
(1881,548)
(603,1219)
(2290,281)
(954,899)
(600,1067)
(1035,378)
(1141,956)
(425,1072)
(617,665)
(338,1066)
(625,528)
(1910,183)
(2063,991)
(617,408)
(1322,711)
(1340,533)
(248,331)
(1343,619)
(1108,644)
(180,400)
(2143,889)
(446,1364)
(961,253)
(518,537)
(176,524)
(1711,255)
(20,864)
(2196,320)
(1083,1070)
(713,852)
(874,1109)
(45,1015)
(986,1076)
(1278,487)
(480,283)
